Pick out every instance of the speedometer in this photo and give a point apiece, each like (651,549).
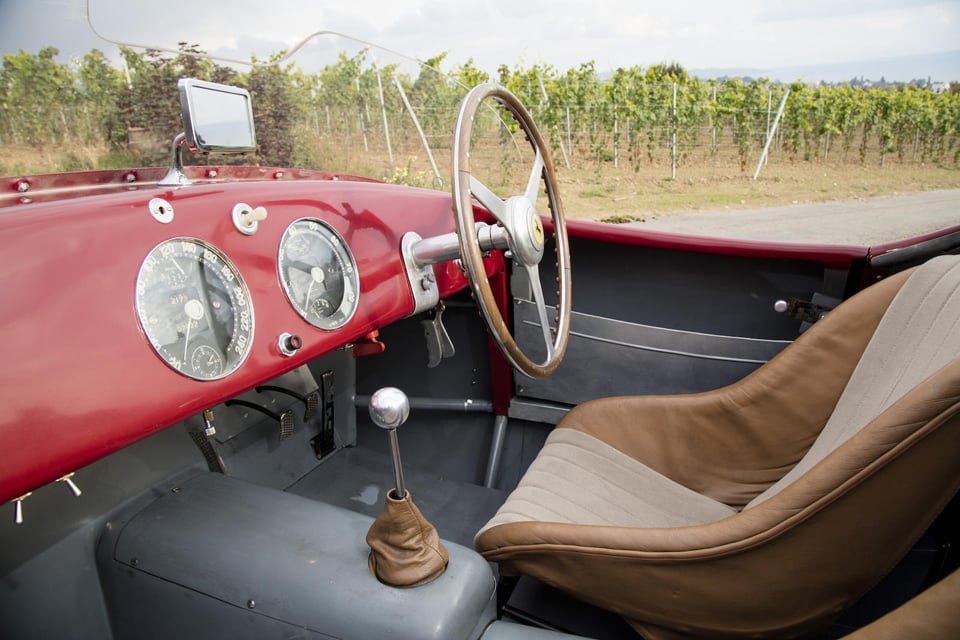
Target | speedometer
(318,273)
(194,308)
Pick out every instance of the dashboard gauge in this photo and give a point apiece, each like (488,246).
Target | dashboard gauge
(194,308)
(318,273)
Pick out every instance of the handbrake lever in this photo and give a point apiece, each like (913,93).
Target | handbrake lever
(439,344)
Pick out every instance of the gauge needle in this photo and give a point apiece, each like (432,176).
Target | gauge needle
(194,311)
(186,340)
(317,275)
(179,268)
(306,303)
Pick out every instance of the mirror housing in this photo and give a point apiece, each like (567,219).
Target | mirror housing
(217,118)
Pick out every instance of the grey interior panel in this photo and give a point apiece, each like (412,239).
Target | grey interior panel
(691,291)
(607,357)
(249,557)
(650,320)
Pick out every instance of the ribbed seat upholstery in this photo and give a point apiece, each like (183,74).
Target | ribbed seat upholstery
(580,479)
(766,507)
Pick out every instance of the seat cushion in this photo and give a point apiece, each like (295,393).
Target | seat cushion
(578,478)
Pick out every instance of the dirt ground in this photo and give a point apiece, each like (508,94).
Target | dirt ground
(620,194)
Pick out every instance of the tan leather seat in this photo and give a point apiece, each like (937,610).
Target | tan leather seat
(764,508)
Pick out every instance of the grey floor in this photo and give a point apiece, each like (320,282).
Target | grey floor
(358,478)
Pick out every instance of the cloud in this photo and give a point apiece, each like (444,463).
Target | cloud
(786,11)
(561,33)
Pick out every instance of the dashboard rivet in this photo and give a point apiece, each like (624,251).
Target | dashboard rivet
(23,186)
(251,604)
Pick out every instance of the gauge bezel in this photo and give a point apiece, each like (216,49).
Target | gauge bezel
(351,281)
(229,367)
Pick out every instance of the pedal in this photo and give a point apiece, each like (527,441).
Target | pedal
(439,344)
(286,424)
(312,403)
(214,461)
(207,448)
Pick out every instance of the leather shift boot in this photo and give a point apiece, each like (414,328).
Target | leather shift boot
(405,549)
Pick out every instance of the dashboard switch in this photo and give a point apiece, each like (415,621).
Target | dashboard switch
(289,344)
(246,218)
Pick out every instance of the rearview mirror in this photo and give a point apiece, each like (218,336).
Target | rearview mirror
(217,118)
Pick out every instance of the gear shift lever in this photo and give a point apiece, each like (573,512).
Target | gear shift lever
(389,409)
(405,549)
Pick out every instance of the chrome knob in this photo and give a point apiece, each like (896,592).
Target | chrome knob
(389,408)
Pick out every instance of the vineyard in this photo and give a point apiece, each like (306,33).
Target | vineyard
(354,116)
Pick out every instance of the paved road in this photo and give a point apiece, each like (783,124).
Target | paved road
(864,222)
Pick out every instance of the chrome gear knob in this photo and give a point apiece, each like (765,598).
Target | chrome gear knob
(389,408)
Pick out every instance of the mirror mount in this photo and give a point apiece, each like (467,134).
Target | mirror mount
(175,176)
(217,118)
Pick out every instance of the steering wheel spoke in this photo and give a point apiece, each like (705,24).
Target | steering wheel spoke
(490,200)
(536,176)
(533,273)
(525,230)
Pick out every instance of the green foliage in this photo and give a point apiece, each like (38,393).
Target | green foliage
(36,93)
(273,92)
(314,120)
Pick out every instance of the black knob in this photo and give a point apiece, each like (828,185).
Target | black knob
(289,344)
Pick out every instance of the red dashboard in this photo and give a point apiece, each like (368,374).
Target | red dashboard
(80,378)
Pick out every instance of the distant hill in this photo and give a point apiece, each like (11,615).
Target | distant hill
(939,67)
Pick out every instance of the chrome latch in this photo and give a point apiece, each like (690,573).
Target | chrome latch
(807,312)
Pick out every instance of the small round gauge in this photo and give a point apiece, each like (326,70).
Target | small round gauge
(318,273)
(194,308)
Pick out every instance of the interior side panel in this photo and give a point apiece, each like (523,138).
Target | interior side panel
(654,320)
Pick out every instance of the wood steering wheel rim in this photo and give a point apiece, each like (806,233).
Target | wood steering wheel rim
(525,232)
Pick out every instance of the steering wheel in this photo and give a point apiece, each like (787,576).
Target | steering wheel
(524,229)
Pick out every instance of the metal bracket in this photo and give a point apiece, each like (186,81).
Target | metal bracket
(423,282)
(325,442)
(175,176)
(807,312)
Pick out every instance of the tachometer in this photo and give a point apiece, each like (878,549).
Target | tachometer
(318,273)
(194,308)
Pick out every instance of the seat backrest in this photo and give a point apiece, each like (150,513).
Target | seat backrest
(918,335)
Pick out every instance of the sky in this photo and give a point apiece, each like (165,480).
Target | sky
(699,34)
